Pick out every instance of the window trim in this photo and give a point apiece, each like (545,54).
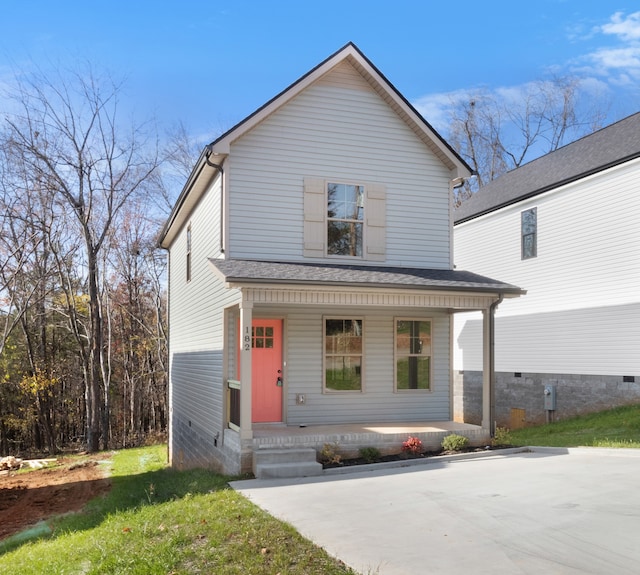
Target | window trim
(325,389)
(534,235)
(188,254)
(397,355)
(315,220)
(362,223)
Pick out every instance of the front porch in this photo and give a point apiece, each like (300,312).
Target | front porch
(349,438)
(290,442)
(346,438)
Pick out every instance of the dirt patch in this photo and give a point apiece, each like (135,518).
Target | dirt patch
(26,498)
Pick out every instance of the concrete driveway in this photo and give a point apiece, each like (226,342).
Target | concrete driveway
(547,511)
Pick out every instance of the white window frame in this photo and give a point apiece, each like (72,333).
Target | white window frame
(534,234)
(189,262)
(325,389)
(315,229)
(397,355)
(362,222)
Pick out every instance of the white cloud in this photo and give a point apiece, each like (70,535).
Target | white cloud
(435,108)
(619,63)
(627,29)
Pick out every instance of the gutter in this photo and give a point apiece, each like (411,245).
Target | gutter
(208,153)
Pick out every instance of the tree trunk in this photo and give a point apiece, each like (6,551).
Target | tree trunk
(94,384)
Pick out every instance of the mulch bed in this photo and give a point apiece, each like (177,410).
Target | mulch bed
(404,457)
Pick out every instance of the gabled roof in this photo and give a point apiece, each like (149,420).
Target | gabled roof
(214,154)
(378,82)
(314,274)
(608,147)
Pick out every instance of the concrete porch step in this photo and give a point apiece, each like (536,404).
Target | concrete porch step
(280,463)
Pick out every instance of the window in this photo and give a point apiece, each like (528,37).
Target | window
(343,354)
(189,253)
(345,219)
(529,232)
(262,337)
(413,354)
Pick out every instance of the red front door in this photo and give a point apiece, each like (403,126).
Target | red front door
(266,377)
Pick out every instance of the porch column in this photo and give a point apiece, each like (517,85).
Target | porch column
(246,316)
(488,367)
(487,384)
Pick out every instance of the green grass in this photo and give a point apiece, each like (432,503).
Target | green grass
(157,520)
(618,427)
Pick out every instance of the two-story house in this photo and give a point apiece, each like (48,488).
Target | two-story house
(311,284)
(566,227)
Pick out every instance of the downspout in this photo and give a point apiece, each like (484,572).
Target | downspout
(492,365)
(219,168)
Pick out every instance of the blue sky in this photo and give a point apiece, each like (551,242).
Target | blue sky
(210,64)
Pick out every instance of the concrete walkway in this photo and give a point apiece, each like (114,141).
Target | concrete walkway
(551,511)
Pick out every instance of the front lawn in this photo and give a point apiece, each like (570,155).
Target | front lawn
(159,521)
(619,427)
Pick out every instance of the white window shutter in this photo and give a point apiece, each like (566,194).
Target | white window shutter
(314,217)
(376,216)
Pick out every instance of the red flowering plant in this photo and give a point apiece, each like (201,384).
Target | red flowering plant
(412,446)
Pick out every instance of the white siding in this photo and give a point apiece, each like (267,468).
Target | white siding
(344,132)
(378,402)
(582,310)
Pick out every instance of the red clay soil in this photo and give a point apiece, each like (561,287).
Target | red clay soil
(26,498)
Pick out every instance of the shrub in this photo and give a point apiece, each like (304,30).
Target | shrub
(329,454)
(412,446)
(454,442)
(370,454)
(502,436)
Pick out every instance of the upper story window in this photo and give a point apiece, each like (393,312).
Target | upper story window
(529,233)
(345,219)
(189,253)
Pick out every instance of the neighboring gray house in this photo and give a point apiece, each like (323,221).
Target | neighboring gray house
(311,284)
(566,227)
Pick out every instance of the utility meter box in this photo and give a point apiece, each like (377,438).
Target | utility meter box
(550,397)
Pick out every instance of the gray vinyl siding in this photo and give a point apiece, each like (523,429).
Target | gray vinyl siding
(377,402)
(581,313)
(196,346)
(338,129)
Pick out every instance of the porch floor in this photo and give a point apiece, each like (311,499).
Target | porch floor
(349,438)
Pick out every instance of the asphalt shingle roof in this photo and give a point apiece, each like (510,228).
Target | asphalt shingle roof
(605,148)
(250,271)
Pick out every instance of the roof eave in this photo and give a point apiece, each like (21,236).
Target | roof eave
(201,176)
(240,282)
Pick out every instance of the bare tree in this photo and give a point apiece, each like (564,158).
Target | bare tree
(497,132)
(67,131)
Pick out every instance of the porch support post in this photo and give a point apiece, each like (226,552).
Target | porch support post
(246,316)
(488,367)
